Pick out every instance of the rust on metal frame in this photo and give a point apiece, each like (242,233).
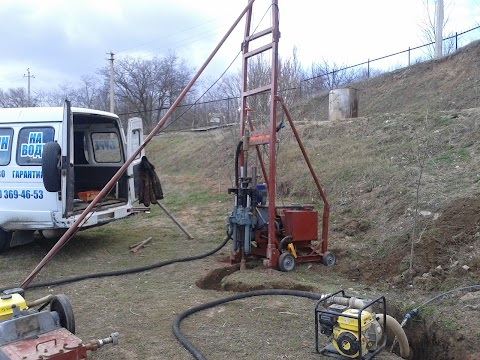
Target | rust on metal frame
(58,343)
(263,136)
(267,136)
(326,206)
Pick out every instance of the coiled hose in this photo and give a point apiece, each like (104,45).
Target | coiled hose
(194,351)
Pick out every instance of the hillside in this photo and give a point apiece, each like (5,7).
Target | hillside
(421,119)
(414,149)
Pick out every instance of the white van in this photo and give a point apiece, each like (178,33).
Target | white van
(52,163)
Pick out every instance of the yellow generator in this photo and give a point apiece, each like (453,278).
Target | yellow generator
(350,325)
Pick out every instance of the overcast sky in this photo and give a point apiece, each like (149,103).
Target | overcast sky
(61,40)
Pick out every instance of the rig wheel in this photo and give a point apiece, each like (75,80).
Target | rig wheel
(62,306)
(329,259)
(286,262)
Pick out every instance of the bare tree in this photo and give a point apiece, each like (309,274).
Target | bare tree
(18,97)
(148,87)
(91,93)
(224,98)
(57,97)
(259,74)
(290,76)
(420,157)
(88,95)
(327,76)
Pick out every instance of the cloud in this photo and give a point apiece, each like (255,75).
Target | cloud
(62,40)
(73,37)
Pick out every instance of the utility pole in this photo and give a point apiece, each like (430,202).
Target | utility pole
(439,30)
(112,103)
(28,76)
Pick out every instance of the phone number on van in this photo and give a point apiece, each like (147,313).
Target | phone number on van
(24,194)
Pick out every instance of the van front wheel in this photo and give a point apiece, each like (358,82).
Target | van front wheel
(5,238)
(51,166)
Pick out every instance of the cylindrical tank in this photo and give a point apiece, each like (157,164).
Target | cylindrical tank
(342,104)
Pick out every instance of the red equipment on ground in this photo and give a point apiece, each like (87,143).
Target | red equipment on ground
(56,344)
(29,334)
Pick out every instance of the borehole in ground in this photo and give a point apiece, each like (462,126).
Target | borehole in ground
(429,340)
(215,280)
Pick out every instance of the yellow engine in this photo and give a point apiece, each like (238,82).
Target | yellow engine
(346,338)
(6,303)
(351,326)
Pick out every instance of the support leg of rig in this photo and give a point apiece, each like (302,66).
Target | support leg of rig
(175,220)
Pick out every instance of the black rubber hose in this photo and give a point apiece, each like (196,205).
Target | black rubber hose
(416,311)
(189,346)
(284,242)
(126,271)
(449,292)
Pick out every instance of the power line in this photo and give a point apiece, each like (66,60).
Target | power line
(169,36)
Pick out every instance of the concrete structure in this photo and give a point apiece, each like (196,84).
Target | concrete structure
(342,104)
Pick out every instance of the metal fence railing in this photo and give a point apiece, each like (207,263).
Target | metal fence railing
(409,56)
(203,114)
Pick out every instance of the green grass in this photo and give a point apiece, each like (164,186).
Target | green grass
(200,198)
(452,155)
(442,121)
(450,325)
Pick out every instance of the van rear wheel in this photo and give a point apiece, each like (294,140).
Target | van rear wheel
(5,238)
(51,166)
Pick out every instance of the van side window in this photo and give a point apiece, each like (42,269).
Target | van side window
(6,136)
(30,144)
(106,147)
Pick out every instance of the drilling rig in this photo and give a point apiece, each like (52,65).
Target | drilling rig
(281,235)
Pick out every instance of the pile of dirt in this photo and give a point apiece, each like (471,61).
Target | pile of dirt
(447,250)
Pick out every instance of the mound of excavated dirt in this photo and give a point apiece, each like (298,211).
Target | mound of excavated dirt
(447,250)
(453,240)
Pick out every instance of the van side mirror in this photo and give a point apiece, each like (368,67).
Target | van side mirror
(51,167)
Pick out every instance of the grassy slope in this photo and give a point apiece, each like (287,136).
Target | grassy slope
(368,167)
